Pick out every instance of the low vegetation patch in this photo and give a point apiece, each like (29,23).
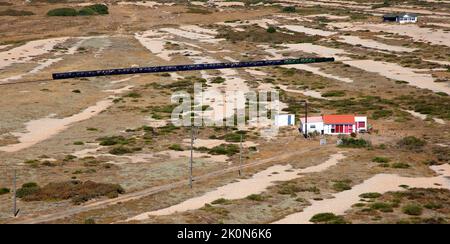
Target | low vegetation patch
(327,218)
(342,185)
(95,9)
(4,190)
(382,206)
(77,191)
(256,197)
(225,149)
(354,142)
(412,209)
(221,201)
(370,195)
(380,160)
(411,143)
(13,12)
(334,94)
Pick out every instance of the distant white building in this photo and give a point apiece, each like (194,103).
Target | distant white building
(400,18)
(284,120)
(334,124)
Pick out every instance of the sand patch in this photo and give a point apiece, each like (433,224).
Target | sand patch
(380,183)
(258,183)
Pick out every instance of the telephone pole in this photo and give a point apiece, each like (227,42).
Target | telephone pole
(191,158)
(15,210)
(240,157)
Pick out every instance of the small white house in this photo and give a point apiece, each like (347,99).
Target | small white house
(314,124)
(284,120)
(400,18)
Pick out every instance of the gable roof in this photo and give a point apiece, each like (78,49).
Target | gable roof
(339,119)
(314,119)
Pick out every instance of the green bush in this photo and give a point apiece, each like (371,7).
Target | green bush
(380,160)
(327,218)
(271,29)
(334,94)
(341,186)
(400,165)
(381,206)
(120,150)
(370,195)
(112,140)
(289,9)
(412,209)
(354,143)
(176,147)
(218,80)
(224,149)
(86,11)
(13,12)
(98,8)
(4,191)
(255,197)
(63,12)
(221,201)
(27,189)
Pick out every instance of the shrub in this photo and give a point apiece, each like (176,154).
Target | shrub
(288,188)
(133,95)
(27,189)
(255,197)
(120,150)
(89,221)
(411,143)
(225,149)
(112,140)
(289,9)
(327,218)
(234,137)
(341,186)
(86,11)
(13,12)
(381,206)
(4,191)
(370,195)
(222,201)
(78,191)
(354,143)
(218,80)
(380,160)
(63,12)
(412,209)
(176,147)
(271,29)
(334,94)
(98,8)
(400,166)
(78,143)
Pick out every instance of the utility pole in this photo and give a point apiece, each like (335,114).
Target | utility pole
(192,156)
(240,157)
(15,210)
(306,119)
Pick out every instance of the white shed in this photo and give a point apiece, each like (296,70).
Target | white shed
(284,120)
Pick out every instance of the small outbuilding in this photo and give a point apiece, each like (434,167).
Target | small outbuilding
(400,18)
(284,119)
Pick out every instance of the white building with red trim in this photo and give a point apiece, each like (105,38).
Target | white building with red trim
(334,124)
